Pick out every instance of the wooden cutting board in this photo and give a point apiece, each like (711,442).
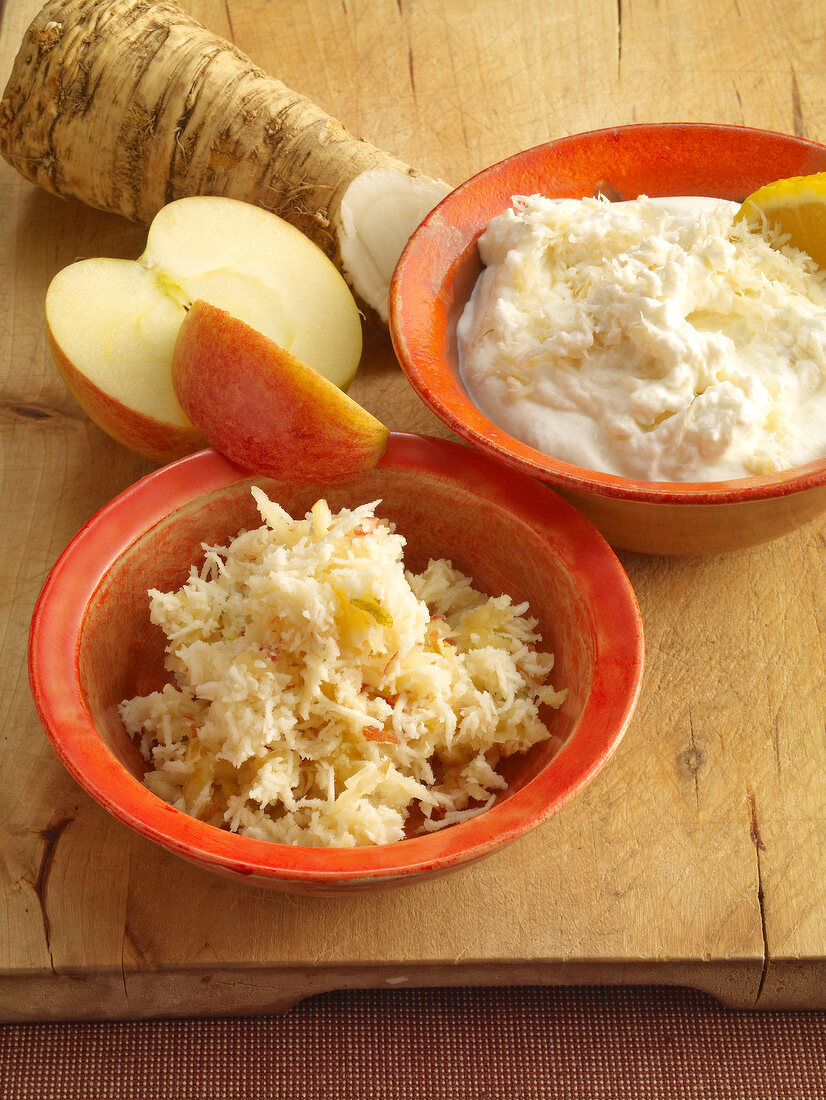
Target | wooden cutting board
(696,857)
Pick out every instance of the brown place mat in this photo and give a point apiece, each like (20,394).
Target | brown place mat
(438,1044)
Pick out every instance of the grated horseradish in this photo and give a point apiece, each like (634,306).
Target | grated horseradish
(323,693)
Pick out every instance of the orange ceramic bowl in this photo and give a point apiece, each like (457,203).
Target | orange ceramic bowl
(440,265)
(92,644)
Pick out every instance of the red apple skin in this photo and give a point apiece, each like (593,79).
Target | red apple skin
(155,439)
(266,410)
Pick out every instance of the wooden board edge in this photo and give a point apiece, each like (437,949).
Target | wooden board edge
(192,993)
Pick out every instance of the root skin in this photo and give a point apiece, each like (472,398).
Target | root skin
(129,104)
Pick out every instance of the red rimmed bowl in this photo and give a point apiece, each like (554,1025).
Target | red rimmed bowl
(440,265)
(92,644)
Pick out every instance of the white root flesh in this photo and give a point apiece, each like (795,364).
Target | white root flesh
(128,104)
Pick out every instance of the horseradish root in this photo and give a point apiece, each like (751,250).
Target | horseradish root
(129,104)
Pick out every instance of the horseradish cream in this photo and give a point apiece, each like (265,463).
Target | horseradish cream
(653,339)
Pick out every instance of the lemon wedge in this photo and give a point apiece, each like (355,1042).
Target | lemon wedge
(796,206)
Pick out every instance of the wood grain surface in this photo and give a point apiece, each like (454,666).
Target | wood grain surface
(696,857)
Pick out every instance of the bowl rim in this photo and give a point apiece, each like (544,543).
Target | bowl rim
(58,621)
(455,224)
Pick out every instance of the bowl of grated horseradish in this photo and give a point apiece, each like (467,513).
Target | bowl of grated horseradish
(329,688)
(593,313)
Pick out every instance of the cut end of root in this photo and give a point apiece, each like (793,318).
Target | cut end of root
(378,214)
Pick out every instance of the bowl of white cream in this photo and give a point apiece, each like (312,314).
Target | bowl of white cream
(591,312)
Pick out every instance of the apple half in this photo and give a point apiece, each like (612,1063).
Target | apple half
(113,323)
(263,408)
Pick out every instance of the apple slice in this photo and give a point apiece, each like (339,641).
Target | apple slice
(113,323)
(266,410)
(112,333)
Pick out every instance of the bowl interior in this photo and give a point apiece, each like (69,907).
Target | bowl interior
(440,266)
(121,653)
